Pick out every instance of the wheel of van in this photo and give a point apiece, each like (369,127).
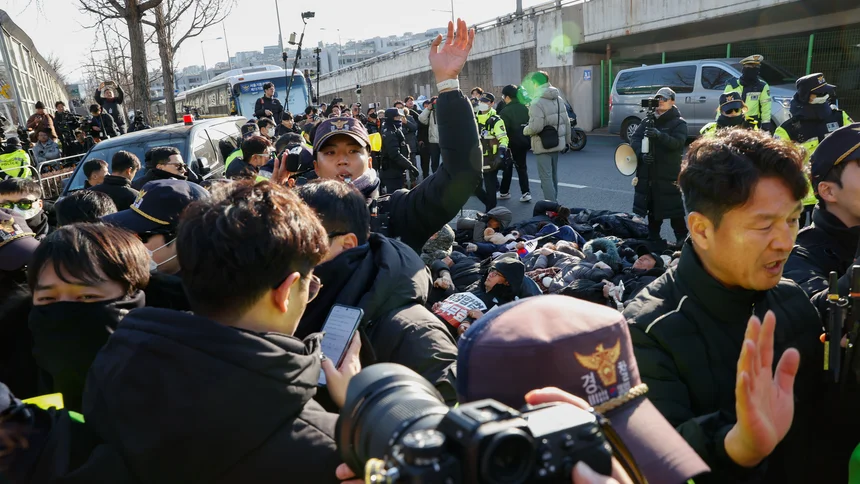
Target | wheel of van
(628,127)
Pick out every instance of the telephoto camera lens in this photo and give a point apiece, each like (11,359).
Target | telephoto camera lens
(384,402)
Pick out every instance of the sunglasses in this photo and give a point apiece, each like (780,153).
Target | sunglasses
(660,98)
(21,204)
(732,112)
(177,164)
(314,286)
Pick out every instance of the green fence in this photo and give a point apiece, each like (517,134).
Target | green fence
(834,52)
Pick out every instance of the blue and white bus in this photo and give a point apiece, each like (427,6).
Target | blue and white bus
(237,90)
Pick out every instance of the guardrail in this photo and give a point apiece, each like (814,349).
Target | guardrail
(498,21)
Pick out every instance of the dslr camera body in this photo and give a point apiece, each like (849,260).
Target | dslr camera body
(395,428)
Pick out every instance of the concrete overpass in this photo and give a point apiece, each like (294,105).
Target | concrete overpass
(570,38)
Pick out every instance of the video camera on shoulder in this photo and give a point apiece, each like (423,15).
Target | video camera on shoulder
(395,427)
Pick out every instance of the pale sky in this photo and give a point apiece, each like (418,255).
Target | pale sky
(59,28)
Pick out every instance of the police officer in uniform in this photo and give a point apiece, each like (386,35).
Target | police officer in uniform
(753,91)
(731,114)
(813,118)
(14,160)
(395,151)
(494,146)
(267,106)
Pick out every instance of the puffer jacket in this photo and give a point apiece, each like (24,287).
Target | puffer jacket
(476,226)
(571,269)
(656,193)
(688,330)
(548,110)
(428,118)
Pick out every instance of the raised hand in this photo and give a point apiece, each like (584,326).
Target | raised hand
(764,400)
(448,59)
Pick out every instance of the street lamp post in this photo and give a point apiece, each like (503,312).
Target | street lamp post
(226,45)
(204,56)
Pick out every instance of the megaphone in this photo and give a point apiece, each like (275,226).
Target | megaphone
(625,159)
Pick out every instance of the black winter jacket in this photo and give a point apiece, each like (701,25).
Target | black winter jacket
(114,107)
(119,189)
(515,115)
(415,215)
(657,191)
(688,330)
(181,398)
(395,152)
(155,174)
(390,283)
(273,105)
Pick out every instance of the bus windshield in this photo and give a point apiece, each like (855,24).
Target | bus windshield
(248,93)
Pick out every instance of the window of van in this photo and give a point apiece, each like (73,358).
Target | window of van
(647,81)
(714,78)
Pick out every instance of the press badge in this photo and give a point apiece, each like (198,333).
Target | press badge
(831,127)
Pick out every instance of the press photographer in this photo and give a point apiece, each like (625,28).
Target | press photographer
(659,144)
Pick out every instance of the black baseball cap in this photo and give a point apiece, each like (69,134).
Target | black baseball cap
(351,127)
(17,241)
(584,349)
(158,206)
(842,145)
(644,250)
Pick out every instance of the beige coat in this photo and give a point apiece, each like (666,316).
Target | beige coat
(548,110)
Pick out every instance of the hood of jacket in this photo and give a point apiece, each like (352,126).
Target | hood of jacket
(503,215)
(165,376)
(513,270)
(380,276)
(550,92)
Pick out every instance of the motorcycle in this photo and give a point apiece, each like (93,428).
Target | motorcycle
(577,135)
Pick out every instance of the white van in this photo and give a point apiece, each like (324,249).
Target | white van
(697,85)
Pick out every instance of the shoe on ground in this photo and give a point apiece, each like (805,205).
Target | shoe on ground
(504,196)
(527,197)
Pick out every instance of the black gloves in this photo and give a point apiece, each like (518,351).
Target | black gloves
(652,132)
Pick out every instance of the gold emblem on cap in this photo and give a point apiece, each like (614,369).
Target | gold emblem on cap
(8,226)
(603,362)
(339,124)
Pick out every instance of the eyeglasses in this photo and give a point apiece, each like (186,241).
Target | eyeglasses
(21,204)
(314,286)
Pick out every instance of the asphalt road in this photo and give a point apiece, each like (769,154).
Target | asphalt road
(586,179)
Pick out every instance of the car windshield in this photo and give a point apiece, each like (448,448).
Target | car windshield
(139,149)
(771,73)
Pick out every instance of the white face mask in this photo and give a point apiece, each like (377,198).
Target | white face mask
(27,214)
(153,266)
(820,99)
(483,107)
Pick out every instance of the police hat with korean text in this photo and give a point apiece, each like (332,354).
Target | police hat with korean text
(250,129)
(158,206)
(753,60)
(666,92)
(346,126)
(584,349)
(813,84)
(17,241)
(842,146)
(730,101)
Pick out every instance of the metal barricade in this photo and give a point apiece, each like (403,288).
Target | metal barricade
(34,173)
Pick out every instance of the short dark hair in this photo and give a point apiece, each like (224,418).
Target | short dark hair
(720,173)
(255,145)
(408,98)
(57,104)
(340,206)
(287,116)
(123,160)
(833,176)
(94,165)
(83,206)
(27,186)
(480,91)
(265,123)
(287,139)
(244,241)
(93,253)
(40,105)
(45,131)
(268,85)
(160,155)
(397,102)
(94,108)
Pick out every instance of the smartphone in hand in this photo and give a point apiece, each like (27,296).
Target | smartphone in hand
(340,325)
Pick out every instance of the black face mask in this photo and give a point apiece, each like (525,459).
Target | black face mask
(726,121)
(67,336)
(750,75)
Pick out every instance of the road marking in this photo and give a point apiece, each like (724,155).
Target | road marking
(571,185)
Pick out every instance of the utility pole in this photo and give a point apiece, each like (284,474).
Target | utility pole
(280,34)
(227,46)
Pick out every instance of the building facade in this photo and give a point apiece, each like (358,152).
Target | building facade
(25,76)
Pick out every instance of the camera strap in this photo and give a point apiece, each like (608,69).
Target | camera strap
(619,449)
